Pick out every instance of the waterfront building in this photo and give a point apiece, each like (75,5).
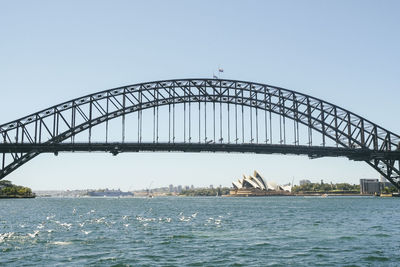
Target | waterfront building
(271,185)
(256,185)
(305,181)
(373,186)
(287,188)
(369,186)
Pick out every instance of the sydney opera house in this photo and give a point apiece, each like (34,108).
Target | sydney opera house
(256,185)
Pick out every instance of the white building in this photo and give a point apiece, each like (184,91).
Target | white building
(256,181)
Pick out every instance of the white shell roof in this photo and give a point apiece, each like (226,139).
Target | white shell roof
(257,181)
(253,183)
(238,185)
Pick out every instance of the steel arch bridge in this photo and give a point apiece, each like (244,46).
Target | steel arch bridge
(195,115)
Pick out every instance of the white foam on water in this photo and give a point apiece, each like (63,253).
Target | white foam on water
(109,224)
(142,219)
(61,243)
(50,217)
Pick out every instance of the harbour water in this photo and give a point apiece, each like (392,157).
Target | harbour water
(213,231)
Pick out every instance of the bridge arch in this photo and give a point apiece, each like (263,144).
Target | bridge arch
(25,138)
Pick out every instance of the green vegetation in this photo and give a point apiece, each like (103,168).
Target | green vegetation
(8,190)
(388,190)
(206,192)
(324,188)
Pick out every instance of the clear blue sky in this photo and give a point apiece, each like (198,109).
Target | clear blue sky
(345,52)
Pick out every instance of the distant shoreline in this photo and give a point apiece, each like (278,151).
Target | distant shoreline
(13,197)
(333,194)
(303,195)
(161,196)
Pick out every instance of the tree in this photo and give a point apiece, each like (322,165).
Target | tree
(10,190)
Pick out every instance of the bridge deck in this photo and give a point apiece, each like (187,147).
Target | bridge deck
(358,154)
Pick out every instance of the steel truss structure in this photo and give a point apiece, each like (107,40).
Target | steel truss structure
(243,108)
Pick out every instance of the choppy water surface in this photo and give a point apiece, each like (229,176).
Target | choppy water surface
(175,231)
